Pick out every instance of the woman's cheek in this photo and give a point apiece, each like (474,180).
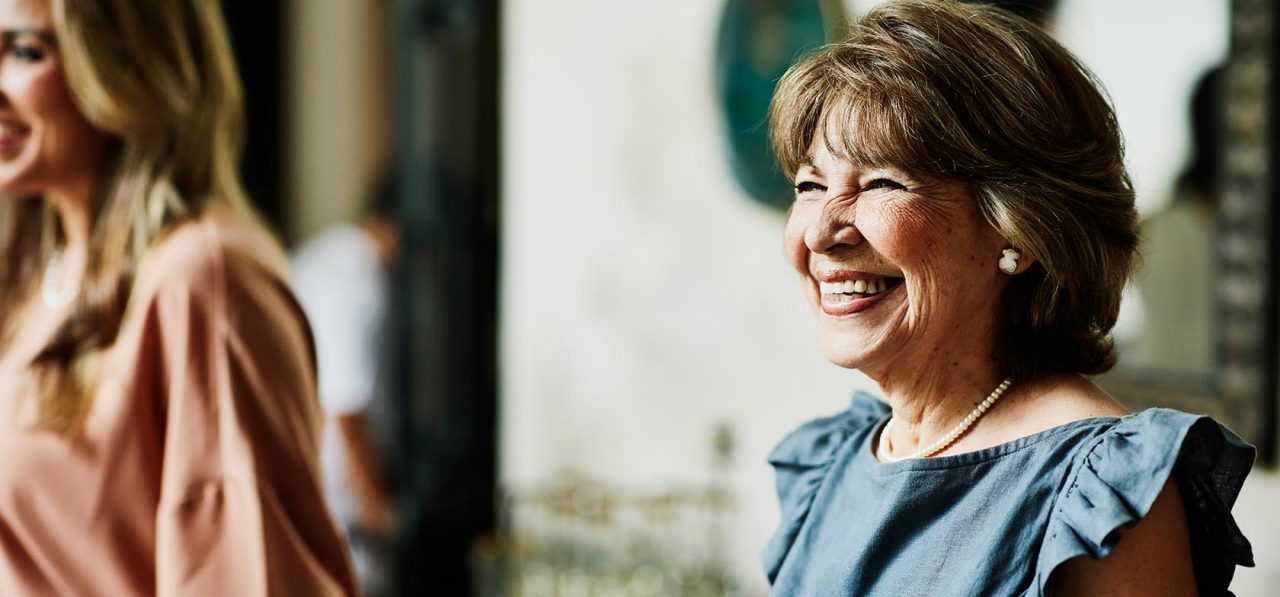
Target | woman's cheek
(48,89)
(874,224)
(898,228)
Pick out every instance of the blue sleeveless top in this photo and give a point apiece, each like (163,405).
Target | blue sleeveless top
(996,521)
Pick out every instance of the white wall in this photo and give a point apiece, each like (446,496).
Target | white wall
(337,108)
(1149,54)
(1255,512)
(645,299)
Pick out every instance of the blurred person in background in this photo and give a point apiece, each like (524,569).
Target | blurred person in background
(157,381)
(342,279)
(1179,243)
(963,227)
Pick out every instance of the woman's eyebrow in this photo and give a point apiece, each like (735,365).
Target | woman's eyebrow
(45,35)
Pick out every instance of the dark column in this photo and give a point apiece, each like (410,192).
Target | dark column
(258,39)
(447,159)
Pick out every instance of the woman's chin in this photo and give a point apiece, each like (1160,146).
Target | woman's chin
(15,186)
(841,352)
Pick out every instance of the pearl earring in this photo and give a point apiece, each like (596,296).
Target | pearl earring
(1009,261)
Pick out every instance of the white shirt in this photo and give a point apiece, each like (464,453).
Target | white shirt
(343,290)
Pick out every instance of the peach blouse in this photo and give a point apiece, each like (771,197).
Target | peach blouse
(194,472)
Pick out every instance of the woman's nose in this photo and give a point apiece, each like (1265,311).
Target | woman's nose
(834,228)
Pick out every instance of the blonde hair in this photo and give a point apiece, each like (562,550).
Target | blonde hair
(159,79)
(975,94)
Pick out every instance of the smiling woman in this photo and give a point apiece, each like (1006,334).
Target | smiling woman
(42,134)
(158,419)
(963,226)
(932,248)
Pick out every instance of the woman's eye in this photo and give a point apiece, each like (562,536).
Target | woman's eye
(808,186)
(884,183)
(27,53)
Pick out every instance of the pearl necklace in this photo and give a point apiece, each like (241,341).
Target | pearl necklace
(51,294)
(951,436)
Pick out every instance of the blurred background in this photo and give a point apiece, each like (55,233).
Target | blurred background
(591,339)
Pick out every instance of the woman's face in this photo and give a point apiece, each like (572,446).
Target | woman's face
(901,270)
(45,142)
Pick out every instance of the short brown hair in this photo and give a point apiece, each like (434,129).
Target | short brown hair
(975,94)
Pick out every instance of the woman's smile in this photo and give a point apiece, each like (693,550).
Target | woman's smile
(847,292)
(12,136)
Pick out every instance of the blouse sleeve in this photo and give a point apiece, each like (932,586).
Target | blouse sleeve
(1117,478)
(800,463)
(241,510)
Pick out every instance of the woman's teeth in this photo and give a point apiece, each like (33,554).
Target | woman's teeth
(849,287)
(11,131)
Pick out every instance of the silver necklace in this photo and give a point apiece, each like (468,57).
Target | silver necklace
(951,436)
(52,293)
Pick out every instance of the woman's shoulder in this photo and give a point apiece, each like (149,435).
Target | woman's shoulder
(1135,454)
(1123,443)
(1116,476)
(206,251)
(801,462)
(1049,402)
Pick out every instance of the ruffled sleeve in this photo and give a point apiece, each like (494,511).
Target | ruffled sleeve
(801,462)
(1117,477)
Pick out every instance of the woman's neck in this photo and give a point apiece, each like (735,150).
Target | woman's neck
(73,203)
(929,400)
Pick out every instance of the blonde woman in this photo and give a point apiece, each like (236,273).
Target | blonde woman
(158,420)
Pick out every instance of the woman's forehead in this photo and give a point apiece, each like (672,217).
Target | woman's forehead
(854,136)
(17,15)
